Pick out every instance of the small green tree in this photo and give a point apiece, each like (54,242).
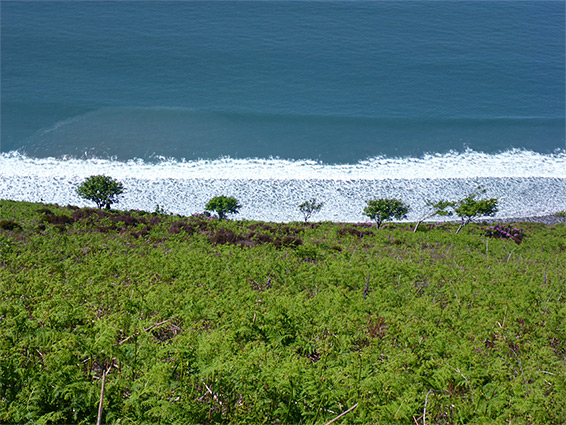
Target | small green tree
(102,190)
(223,205)
(440,208)
(308,208)
(381,210)
(561,216)
(471,207)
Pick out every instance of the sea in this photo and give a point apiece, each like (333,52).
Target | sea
(279,102)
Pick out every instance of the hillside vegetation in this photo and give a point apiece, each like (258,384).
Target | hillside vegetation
(194,320)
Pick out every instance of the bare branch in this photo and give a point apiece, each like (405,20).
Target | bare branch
(146,330)
(425,403)
(99,418)
(342,414)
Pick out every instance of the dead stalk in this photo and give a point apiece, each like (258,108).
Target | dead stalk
(457,370)
(521,369)
(99,418)
(106,370)
(425,403)
(145,330)
(509,256)
(342,414)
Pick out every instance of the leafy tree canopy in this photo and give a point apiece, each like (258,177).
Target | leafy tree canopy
(308,208)
(440,208)
(381,210)
(102,190)
(223,205)
(471,207)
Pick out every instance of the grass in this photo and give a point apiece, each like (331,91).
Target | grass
(206,321)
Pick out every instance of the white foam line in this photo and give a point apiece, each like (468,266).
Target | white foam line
(468,164)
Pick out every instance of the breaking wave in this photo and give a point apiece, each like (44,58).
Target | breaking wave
(527,183)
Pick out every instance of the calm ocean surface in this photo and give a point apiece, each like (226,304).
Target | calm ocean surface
(276,102)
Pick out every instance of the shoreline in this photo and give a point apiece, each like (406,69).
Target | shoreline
(543,219)
(547,219)
(277,200)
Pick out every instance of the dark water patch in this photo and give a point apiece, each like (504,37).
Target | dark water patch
(152,133)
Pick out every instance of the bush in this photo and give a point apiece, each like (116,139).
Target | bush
(505,232)
(470,207)
(57,219)
(223,205)
(181,226)
(9,225)
(440,208)
(86,213)
(308,208)
(381,210)
(223,236)
(290,241)
(45,211)
(102,190)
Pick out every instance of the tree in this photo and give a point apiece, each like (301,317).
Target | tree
(470,207)
(308,208)
(436,208)
(102,190)
(561,216)
(381,210)
(223,205)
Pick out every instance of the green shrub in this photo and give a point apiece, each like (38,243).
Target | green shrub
(381,210)
(440,208)
(308,208)
(9,225)
(102,190)
(223,205)
(470,207)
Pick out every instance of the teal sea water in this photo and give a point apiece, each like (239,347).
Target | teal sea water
(274,102)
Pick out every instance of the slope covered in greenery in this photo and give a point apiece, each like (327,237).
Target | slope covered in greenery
(206,321)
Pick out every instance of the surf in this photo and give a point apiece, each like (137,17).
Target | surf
(270,189)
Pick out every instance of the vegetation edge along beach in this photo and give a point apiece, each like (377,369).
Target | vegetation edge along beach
(137,317)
